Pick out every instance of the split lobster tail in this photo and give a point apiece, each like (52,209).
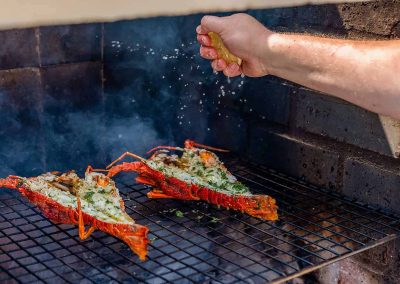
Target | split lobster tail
(197,174)
(260,206)
(263,207)
(134,235)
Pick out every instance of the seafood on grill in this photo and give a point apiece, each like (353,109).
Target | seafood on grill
(198,174)
(94,201)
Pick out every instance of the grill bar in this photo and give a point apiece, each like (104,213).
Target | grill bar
(331,207)
(202,243)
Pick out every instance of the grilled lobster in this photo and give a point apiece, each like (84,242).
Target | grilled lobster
(197,174)
(94,201)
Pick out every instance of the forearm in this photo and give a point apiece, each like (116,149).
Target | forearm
(366,73)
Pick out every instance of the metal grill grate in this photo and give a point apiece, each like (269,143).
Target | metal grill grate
(194,241)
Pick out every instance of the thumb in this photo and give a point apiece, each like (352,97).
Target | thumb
(211,24)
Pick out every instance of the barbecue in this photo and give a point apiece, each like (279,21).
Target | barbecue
(277,183)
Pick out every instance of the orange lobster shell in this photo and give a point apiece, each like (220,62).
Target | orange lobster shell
(135,236)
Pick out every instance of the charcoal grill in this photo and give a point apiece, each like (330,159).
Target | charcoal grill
(194,241)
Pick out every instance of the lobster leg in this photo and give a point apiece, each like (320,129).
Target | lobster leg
(145,180)
(155,193)
(81,226)
(90,169)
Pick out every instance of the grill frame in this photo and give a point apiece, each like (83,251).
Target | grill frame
(32,249)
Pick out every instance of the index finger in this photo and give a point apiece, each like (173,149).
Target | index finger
(201,30)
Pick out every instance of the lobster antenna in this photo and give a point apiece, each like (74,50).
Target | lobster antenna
(123,156)
(164,147)
(191,143)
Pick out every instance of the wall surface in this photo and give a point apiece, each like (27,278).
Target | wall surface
(82,94)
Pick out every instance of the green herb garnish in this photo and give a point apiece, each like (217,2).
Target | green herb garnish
(88,196)
(214,220)
(223,175)
(179,213)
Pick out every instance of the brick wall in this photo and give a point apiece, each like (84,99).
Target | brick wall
(74,95)
(45,74)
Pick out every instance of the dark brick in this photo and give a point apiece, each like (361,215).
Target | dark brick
(72,108)
(72,85)
(18,48)
(381,258)
(391,256)
(294,157)
(360,35)
(21,129)
(349,271)
(72,43)
(378,17)
(345,122)
(309,18)
(396,31)
(371,183)
(268,99)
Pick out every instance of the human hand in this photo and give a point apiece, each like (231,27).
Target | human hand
(244,36)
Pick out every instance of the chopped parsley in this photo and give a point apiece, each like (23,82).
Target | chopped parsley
(223,175)
(179,213)
(214,220)
(88,196)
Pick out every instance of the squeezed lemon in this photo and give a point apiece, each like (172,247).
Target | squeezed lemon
(222,51)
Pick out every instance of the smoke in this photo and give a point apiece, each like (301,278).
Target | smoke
(153,67)
(96,140)
(158,91)
(21,150)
